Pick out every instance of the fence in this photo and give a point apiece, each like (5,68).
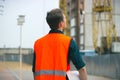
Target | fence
(104,65)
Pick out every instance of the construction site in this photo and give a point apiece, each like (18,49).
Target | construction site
(94,25)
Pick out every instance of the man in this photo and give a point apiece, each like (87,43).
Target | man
(53,52)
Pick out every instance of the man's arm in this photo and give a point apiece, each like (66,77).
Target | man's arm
(77,60)
(33,66)
(83,73)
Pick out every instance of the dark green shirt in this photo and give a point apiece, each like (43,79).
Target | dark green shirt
(73,55)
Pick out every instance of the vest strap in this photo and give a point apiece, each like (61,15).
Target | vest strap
(50,72)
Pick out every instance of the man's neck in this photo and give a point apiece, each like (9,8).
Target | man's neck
(60,29)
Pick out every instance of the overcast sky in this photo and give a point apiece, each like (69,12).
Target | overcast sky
(35,25)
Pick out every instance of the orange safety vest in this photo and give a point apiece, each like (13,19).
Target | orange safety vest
(51,57)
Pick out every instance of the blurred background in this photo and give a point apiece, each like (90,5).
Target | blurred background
(93,24)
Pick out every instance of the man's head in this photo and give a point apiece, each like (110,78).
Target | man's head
(56,19)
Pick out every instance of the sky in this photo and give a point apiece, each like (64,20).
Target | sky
(35,25)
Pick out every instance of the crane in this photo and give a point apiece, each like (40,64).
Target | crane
(102,24)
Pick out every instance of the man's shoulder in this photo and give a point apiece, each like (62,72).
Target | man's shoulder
(65,36)
(39,39)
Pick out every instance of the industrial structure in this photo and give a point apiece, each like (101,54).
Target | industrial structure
(94,24)
(103,25)
(76,19)
(74,11)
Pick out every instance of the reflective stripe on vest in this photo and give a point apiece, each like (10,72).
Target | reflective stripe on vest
(50,72)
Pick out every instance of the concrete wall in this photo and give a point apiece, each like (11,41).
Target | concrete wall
(26,58)
(11,57)
(13,54)
(104,65)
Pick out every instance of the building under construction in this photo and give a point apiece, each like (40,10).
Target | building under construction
(94,24)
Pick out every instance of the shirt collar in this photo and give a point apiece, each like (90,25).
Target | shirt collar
(56,31)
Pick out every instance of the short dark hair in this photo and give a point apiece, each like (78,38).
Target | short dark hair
(54,17)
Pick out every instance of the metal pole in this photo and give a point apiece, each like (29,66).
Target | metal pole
(78,23)
(20,52)
(84,16)
(20,22)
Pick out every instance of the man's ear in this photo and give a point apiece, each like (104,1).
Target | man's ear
(60,24)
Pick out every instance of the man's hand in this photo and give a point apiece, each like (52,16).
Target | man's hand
(83,73)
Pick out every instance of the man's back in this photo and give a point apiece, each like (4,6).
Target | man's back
(51,56)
